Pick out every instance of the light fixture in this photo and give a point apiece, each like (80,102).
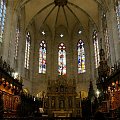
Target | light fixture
(3,79)
(79,32)
(98,93)
(15,75)
(104,15)
(43,32)
(113,83)
(61,35)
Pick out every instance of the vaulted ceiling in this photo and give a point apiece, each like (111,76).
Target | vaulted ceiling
(75,11)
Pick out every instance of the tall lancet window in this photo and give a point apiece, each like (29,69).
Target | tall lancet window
(107,45)
(106,36)
(27,50)
(2,17)
(42,57)
(118,15)
(96,49)
(81,57)
(62,60)
(16,41)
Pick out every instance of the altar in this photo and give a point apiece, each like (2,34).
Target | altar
(62,113)
(61,98)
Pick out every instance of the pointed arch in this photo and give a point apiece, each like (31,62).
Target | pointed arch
(81,56)
(27,50)
(61,59)
(42,57)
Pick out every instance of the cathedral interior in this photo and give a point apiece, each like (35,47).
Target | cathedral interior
(83,65)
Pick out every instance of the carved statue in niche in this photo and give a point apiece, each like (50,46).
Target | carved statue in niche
(61,104)
(8,69)
(61,88)
(53,103)
(70,101)
(56,89)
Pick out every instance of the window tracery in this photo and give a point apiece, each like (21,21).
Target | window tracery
(27,50)
(16,42)
(96,48)
(2,17)
(118,16)
(62,60)
(42,57)
(106,37)
(81,57)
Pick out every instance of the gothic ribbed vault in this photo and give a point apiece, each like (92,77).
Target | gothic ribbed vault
(61,12)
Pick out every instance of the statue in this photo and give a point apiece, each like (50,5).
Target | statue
(5,65)
(8,69)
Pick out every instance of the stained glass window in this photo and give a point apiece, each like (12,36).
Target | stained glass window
(96,49)
(106,36)
(81,57)
(107,45)
(42,57)
(27,50)
(62,60)
(2,17)
(16,42)
(118,15)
